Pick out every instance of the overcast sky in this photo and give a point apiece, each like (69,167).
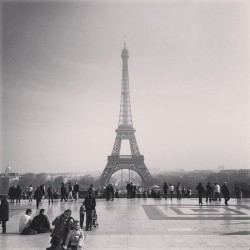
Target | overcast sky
(188,75)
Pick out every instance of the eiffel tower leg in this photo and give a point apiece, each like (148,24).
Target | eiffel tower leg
(106,174)
(145,175)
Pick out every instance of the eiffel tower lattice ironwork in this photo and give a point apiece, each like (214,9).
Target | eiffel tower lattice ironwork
(125,131)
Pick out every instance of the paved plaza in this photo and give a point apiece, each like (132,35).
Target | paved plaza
(146,224)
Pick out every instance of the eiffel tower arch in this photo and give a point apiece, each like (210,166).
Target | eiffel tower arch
(125,131)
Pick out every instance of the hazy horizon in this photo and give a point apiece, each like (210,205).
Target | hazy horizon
(61,83)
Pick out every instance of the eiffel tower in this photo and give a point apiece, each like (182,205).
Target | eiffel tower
(125,131)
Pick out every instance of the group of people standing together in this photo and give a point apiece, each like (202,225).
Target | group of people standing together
(181,192)
(212,192)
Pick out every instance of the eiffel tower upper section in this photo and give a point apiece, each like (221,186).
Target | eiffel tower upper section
(125,130)
(125,118)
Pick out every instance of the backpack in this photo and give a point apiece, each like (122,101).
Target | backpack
(88,203)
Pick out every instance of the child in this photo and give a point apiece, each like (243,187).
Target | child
(75,237)
(82,213)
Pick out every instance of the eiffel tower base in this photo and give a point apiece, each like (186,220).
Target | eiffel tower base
(135,163)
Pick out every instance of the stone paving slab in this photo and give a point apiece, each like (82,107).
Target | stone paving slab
(148,224)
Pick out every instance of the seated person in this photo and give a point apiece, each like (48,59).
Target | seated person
(25,223)
(56,244)
(75,237)
(41,223)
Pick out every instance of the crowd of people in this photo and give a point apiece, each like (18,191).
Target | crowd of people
(16,193)
(66,227)
(68,232)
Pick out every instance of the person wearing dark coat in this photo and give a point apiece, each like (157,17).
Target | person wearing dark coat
(56,243)
(50,192)
(63,192)
(209,192)
(61,224)
(18,193)
(76,190)
(165,190)
(12,194)
(38,197)
(4,212)
(225,192)
(200,189)
(40,223)
(90,204)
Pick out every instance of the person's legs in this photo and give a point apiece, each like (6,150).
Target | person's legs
(88,217)
(81,220)
(4,226)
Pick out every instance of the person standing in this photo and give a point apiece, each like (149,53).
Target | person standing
(70,195)
(91,189)
(225,192)
(30,192)
(165,190)
(38,197)
(12,194)
(42,189)
(171,190)
(208,192)
(90,204)
(63,192)
(237,191)
(112,191)
(18,193)
(217,192)
(200,189)
(76,190)
(107,192)
(178,191)
(4,212)
(82,214)
(50,192)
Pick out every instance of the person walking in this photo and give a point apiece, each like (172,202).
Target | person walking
(225,192)
(38,197)
(4,212)
(200,189)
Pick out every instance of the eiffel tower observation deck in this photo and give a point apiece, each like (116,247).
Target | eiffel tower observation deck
(125,131)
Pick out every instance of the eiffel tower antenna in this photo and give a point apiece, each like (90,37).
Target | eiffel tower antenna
(125,131)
